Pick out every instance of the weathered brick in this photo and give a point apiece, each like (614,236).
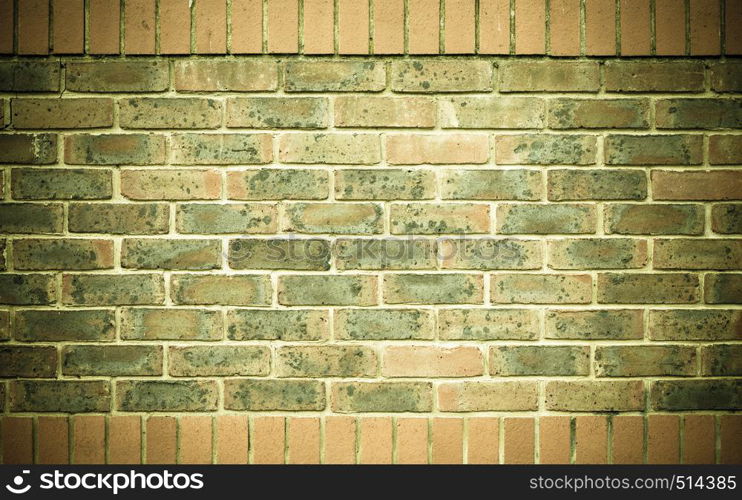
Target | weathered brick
(597,253)
(61,113)
(243,218)
(650,76)
(726,76)
(171,254)
(114,149)
(384,324)
(433,289)
(280,253)
(166,395)
(176,184)
(698,113)
(326,361)
(33,325)
(61,184)
(386,253)
(650,288)
(119,218)
(336,218)
(3,264)
(488,324)
(727,218)
(653,149)
(417,149)
(170,324)
(654,219)
(387,112)
(220,361)
(562,361)
(603,184)
(27,289)
(371,397)
(722,254)
(278,184)
(117,76)
(221,149)
(234,290)
(60,396)
(216,75)
(28,362)
(725,149)
(277,112)
(609,324)
(63,254)
(4,325)
(549,76)
(697,185)
(723,288)
(339,290)
(595,395)
(335,76)
(598,113)
(440,218)
(549,149)
(546,219)
(488,396)
(286,325)
(491,184)
(112,360)
(170,113)
(29,76)
(112,289)
(31,218)
(489,253)
(492,112)
(645,361)
(541,288)
(674,395)
(343,149)
(695,324)
(429,75)
(432,361)
(32,149)
(280,395)
(721,360)
(386,184)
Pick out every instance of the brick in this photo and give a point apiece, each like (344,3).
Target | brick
(732,16)
(487,396)
(53,437)
(218,361)
(726,76)
(32,149)
(545,219)
(699,439)
(635,28)
(494,27)
(483,441)
(29,76)
(539,360)
(272,112)
(170,324)
(729,428)
(286,325)
(140,27)
(703,185)
(104,21)
(600,27)
(4,325)
(235,290)
(318,27)
(161,436)
(283,26)
(33,27)
(210,17)
(598,113)
(33,218)
(166,395)
(492,113)
(383,324)
(430,75)
(653,150)
(653,219)
(564,28)
(125,440)
(119,218)
(568,185)
(487,254)
(690,324)
(59,396)
(169,113)
(520,440)
(540,149)
(61,184)
(723,288)
(334,76)
(433,289)
(304,441)
(112,289)
(609,324)
(117,76)
(674,395)
(698,113)
(597,253)
(722,254)
(440,218)
(645,361)
(460,30)
(721,360)
(376,111)
(705,19)
(411,439)
(429,361)
(386,184)
(530,19)
(382,254)
(549,76)
(218,75)
(326,361)
(372,397)
(280,253)
(340,290)
(111,360)
(170,254)
(221,149)
(195,439)
(417,149)
(628,439)
(670,33)
(243,218)
(27,289)
(555,441)
(340,440)
(28,362)
(176,39)
(7,9)
(591,439)
(336,218)
(447,441)
(232,439)
(389,29)
(66,325)
(595,395)
(3,265)
(649,288)
(277,184)
(375,440)
(114,149)
(268,440)
(648,76)
(488,324)
(353,27)
(175,184)
(67,254)
(423,30)
(89,439)
(491,184)
(349,149)
(61,113)
(279,395)
(725,149)
(17,433)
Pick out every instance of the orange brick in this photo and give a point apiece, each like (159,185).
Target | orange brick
(353,18)
(319,27)
(33,27)
(125,440)
(663,439)
(211,26)
(635,28)
(423,27)
(388,26)
(161,440)
(139,27)
(494,26)
(303,441)
(483,441)
(731,439)
(600,27)
(247,26)
(447,441)
(554,440)
(69,19)
(412,441)
(53,440)
(699,439)
(564,26)
(375,440)
(268,440)
(591,440)
(104,26)
(7,14)
(340,440)
(89,437)
(231,439)
(283,26)
(519,440)
(459,27)
(732,27)
(429,361)
(628,439)
(705,34)
(669,35)
(530,26)
(17,440)
(175,27)
(194,437)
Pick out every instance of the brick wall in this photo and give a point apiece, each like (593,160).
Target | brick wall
(370,259)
